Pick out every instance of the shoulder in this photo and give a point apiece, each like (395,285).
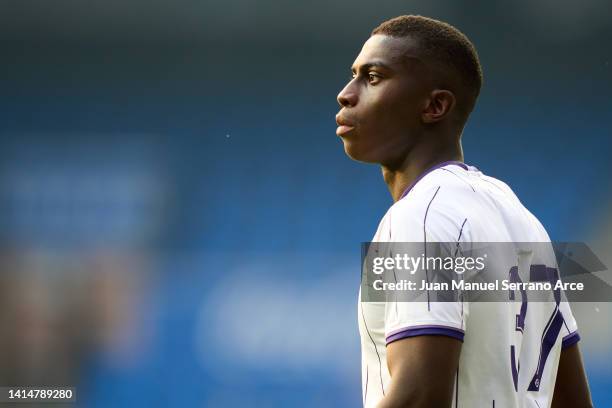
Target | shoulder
(436,206)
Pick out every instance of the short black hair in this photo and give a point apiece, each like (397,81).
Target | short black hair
(444,44)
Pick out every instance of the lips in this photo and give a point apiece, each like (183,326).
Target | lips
(344,125)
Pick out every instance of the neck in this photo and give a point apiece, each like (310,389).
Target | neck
(420,158)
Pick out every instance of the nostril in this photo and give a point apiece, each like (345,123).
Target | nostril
(343,100)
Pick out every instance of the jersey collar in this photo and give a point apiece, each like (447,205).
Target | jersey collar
(426,172)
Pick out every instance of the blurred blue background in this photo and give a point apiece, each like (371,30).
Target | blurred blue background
(179,224)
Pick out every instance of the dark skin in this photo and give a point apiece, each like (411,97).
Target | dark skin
(402,111)
(399,116)
(431,359)
(572,386)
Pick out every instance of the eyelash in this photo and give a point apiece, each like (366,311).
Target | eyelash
(370,76)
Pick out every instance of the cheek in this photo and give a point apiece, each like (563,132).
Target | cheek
(395,107)
(392,119)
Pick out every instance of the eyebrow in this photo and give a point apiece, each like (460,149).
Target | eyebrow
(369,65)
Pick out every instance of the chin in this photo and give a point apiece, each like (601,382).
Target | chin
(358,153)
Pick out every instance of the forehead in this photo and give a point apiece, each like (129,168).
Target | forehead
(391,51)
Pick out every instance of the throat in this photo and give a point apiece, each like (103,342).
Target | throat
(400,178)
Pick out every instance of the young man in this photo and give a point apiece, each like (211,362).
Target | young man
(414,84)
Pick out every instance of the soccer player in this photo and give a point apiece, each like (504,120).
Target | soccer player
(413,86)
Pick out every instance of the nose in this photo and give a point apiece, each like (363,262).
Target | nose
(347,96)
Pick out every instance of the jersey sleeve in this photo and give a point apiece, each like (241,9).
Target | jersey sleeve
(569,330)
(425,223)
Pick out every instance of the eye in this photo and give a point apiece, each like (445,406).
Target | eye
(373,78)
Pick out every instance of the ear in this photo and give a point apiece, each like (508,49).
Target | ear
(439,104)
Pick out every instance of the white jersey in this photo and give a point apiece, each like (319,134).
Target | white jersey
(501,364)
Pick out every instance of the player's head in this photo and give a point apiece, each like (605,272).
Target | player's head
(413,75)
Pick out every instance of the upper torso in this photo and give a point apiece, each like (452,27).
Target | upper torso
(455,202)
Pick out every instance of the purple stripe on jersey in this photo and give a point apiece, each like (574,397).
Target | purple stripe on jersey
(375,349)
(514,368)
(425,243)
(439,326)
(549,338)
(570,340)
(434,330)
(426,172)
